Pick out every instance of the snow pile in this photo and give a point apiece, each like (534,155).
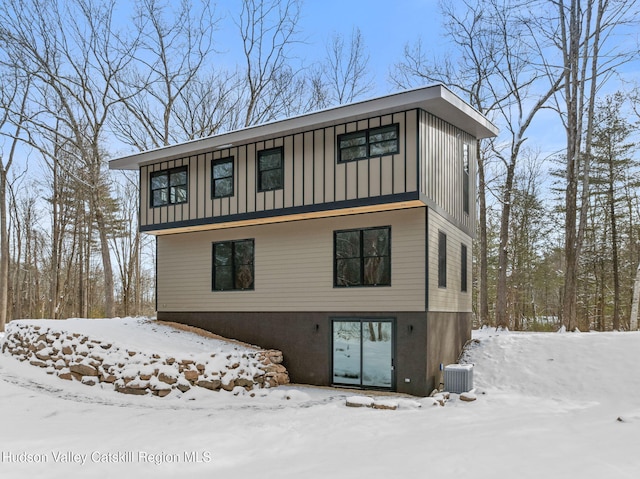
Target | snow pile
(140,360)
(586,368)
(548,405)
(382,402)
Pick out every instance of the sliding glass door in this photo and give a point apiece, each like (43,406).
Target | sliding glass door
(363,352)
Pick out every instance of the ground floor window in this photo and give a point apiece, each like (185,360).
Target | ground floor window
(442,260)
(363,352)
(362,257)
(463,268)
(233,265)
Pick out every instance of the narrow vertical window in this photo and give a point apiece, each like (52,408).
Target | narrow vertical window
(222,177)
(465,178)
(270,169)
(233,265)
(442,260)
(463,268)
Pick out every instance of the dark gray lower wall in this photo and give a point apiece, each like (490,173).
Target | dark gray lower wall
(423,341)
(447,334)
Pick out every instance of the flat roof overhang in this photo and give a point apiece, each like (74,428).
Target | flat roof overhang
(437,100)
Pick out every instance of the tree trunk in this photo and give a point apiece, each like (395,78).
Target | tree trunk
(581,51)
(502,317)
(137,275)
(569,294)
(372,332)
(633,320)
(571,45)
(614,247)
(55,240)
(483,298)
(106,262)
(4,249)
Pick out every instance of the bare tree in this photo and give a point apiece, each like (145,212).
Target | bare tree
(14,91)
(468,72)
(72,53)
(128,245)
(166,91)
(635,299)
(496,73)
(530,227)
(584,35)
(528,92)
(344,75)
(268,29)
(208,105)
(28,251)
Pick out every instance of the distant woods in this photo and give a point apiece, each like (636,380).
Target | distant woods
(558,223)
(84,81)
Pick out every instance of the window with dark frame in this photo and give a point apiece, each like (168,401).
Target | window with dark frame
(465,178)
(222,177)
(169,187)
(271,169)
(442,260)
(369,143)
(352,146)
(463,268)
(233,265)
(362,257)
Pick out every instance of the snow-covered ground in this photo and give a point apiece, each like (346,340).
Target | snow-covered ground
(549,405)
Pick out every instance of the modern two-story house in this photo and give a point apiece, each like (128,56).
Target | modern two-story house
(341,237)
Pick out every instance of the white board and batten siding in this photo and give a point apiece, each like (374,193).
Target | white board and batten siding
(294,267)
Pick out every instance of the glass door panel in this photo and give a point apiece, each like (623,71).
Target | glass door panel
(376,354)
(346,352)
(363,353)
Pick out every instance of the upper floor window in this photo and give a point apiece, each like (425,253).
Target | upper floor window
(271,169)
(233,265)
(358,145)
(465,178)
(222,177)
(169,187)
(362,257)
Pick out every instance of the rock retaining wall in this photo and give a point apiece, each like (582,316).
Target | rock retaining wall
(74,356)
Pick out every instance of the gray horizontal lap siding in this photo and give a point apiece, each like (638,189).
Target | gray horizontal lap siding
(313,179)
(294,267)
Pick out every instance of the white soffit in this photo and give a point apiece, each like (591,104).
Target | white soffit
(437,100)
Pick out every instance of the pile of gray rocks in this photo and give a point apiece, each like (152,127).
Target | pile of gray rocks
(76,356)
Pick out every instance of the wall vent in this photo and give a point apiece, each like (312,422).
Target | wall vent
(458,378)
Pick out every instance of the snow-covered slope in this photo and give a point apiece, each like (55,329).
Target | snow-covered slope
(549,405)
(141,356)
(566,368)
